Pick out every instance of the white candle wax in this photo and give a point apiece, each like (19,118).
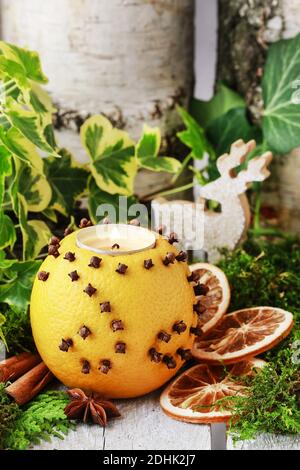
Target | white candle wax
(116,239)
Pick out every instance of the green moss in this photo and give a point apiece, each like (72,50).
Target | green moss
(273,404)
(16,330)
(9,413)
(265,273)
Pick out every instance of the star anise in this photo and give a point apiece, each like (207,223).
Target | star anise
(91,407)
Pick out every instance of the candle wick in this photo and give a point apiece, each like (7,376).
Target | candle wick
(115,247)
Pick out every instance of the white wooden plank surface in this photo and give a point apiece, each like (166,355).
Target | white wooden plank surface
(267,442)
(142,425)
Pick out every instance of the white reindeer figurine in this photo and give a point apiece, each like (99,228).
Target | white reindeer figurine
(228,227)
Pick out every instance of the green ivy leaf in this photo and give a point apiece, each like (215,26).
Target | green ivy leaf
(28,61)
(228,128)
(7,231)
(194,136)
(205,112)
(67,180)
(19,279)
(5,263)
(147,150)
(281,118)
(112,154)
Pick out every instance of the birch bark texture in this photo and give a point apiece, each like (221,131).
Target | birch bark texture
(246,29)
(131,60)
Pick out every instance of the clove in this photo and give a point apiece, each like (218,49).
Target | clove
(74,276)
(173,238)
(105,307)
(155,355)
(84,332)
(53,251)
(120,348)
(179,327)
(43,276)
(185,354)
(194,276)
(68,231)
(148,263)
(85,367)
(182,256)
(199,308)
(195,330)
(54,241)
(90,290)
(84,223)
(105,366)
(70,256)
(160,230)
(65,344)
(117,325)
(201,289)
(95,262)
(163,336)
(169,259)
(169,361)
(122,268)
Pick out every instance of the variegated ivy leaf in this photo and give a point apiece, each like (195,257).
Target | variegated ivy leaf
(147,150)
(42,104)
(68,180)
(2,337)
(7,231)
(33,185)
(112,154)
(19,146)
(21,64)
(10,70)
(5,170)
(35,233)
(50,214)
(29,124)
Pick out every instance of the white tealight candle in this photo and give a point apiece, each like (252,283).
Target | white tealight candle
(116,239)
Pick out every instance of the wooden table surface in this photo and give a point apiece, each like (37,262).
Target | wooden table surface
(143,425)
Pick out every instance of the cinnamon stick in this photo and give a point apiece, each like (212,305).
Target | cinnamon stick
(30,384)
(12,368)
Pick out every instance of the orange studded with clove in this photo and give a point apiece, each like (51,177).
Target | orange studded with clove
(118,325)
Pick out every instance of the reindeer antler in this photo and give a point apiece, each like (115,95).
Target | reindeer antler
(238,153)
(257,168)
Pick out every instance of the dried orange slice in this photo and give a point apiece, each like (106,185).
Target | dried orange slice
(214,294)
(243,334)
(193,396)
